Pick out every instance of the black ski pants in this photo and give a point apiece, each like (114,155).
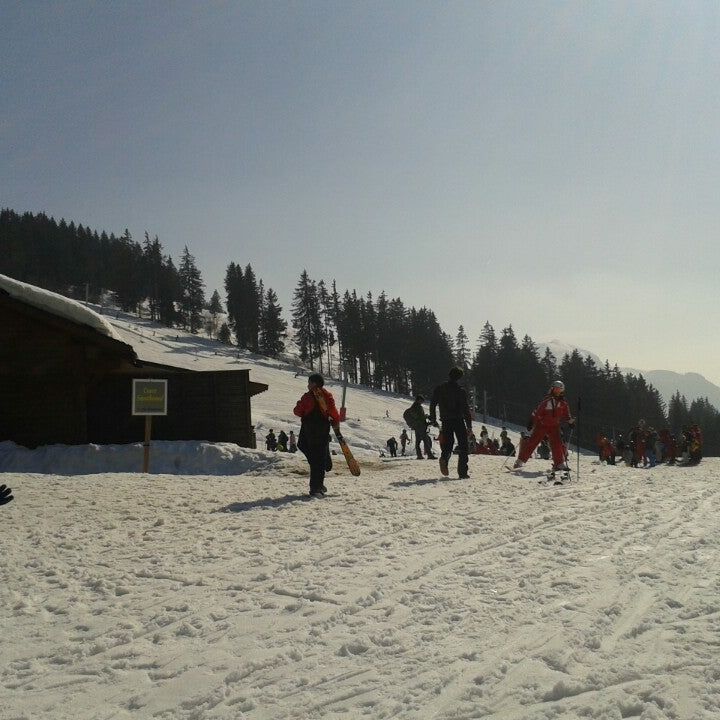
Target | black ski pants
(451,429)
(421,436)
(318,457)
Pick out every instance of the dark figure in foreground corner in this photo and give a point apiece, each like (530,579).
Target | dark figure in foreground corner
(314,438)
(5,494)
(546,419)
(456,419)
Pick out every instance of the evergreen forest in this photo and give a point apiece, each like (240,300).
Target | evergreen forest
(378,341)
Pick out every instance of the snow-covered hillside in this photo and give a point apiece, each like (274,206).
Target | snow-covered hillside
(213,589)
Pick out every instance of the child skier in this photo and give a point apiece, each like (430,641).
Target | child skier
(546,420)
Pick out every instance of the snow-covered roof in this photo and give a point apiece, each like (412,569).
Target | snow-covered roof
(58,305)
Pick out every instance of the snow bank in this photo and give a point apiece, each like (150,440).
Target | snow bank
(174,458)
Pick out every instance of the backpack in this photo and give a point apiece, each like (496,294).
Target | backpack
(414,416)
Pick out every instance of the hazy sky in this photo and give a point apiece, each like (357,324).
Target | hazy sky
(550,165)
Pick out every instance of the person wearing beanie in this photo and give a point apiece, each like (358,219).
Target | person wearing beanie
(317,412)
(452,401)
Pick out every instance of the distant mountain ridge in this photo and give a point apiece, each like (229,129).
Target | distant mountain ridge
(692,385)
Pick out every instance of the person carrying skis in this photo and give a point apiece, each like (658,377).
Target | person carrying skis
(456,419)
(546,419)
(415,417)
(317,411)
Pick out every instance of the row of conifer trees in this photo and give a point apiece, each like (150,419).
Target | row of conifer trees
(379,342)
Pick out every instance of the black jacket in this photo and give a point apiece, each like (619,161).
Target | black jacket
(453,403)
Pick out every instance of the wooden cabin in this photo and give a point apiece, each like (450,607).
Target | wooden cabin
(63,381)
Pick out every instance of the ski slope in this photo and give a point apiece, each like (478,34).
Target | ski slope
(212,588)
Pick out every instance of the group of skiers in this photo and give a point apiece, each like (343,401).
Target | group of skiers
(484,446)
(647,447)
(318,413)
(282,442)
(546,425)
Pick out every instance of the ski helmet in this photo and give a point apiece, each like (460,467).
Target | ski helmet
(557,385)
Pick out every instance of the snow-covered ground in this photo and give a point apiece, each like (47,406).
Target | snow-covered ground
(212,588)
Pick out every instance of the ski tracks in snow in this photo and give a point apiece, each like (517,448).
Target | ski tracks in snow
(400,595)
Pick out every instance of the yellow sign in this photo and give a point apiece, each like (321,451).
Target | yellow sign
(149,397)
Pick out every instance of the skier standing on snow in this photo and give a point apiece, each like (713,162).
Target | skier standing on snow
(271,440)
(403,441)
(415,417)
(456,421)
(392,446)
(545,420)
(317,411)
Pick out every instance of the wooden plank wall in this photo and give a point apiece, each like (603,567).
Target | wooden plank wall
(211,406)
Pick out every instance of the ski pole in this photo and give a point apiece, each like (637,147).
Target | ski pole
(567,446)
(577,425)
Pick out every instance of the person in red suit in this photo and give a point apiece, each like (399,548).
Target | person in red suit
(546,419)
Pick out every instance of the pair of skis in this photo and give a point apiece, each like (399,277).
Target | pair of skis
(352,463)
(555,477)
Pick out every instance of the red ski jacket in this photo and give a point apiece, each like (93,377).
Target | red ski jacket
(307,403)
(551,412)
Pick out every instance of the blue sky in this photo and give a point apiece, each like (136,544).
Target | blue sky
(550,165)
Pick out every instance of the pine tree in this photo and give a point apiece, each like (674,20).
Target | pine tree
(306,319)
(224,335)
(251,302)
(126,271)
(485,370)
(214,308)
(462,352)
(170,293)
(192,297)
(549,365)
(272,326)
(678,413)
(233,301)
(326,313)
(152,264)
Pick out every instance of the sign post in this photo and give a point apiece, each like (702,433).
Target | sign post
(343,411)
(149,397)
